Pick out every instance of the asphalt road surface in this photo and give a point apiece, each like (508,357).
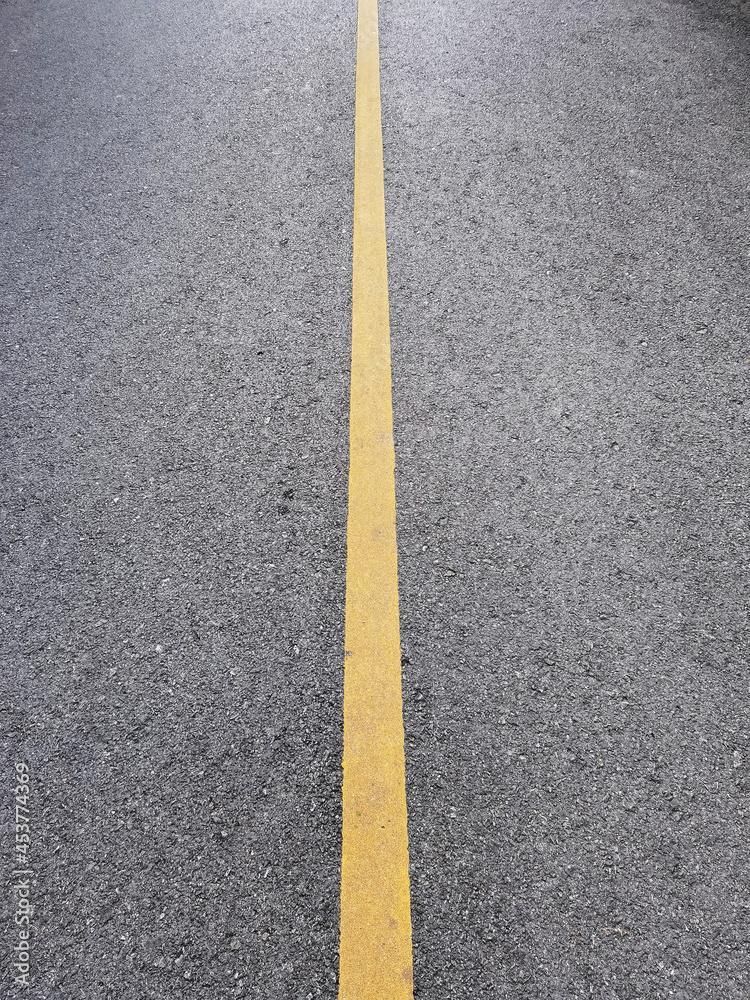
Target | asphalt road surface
(567,216)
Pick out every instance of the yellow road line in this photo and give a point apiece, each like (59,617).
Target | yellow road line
(375,949)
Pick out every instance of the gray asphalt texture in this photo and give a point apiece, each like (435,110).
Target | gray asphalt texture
(567,209)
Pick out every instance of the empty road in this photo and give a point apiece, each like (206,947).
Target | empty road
(567,222)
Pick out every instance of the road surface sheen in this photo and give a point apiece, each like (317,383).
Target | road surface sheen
(567,223)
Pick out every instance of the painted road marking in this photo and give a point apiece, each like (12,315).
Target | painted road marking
(375,949)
